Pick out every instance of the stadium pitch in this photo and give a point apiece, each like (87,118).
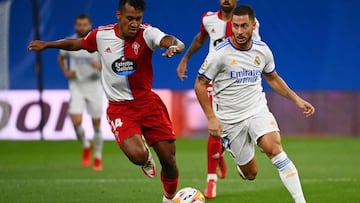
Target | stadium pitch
(51,171)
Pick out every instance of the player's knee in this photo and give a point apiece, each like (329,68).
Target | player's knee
(138,156)
(251,175)
(274,151)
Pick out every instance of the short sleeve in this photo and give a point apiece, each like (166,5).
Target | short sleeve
(89,41)
(210,67)
(270,63)
(153,37)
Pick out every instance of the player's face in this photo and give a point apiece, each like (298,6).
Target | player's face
(129,21)
(227,5)
(242,27)
(82,26)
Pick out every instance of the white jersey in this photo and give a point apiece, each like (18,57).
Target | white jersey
(218,29)
(236,78)
(80,62)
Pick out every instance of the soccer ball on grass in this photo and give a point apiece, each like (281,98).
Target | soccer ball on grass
(189,195)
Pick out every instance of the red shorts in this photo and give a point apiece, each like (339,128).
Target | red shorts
(145,116)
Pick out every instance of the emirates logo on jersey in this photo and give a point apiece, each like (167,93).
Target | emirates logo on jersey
(124,66)
(136,47)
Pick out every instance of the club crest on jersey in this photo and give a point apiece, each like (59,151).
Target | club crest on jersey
(257,61)
(136,47)
(204,65)
(124,66)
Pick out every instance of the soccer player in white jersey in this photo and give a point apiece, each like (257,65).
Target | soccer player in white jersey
(239,112)
(85,88)
(135,112)
(215,26)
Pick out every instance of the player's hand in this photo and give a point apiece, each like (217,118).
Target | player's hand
(171,51)
(37,45)
(214,127)
(307,107)
(182,70)
(70,74)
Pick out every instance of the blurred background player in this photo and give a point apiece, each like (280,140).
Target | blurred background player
(217,27)
(135,112)
(240,115)
(83,73)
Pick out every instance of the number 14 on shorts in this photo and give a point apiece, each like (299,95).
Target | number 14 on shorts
(115,123)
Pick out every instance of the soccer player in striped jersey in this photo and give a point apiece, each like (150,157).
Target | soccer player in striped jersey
(135,113)
(82,69)
(215,26)
(239,113)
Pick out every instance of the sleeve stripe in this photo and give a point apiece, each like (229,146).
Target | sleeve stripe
(201,74)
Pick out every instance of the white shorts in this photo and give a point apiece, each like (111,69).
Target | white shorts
(239,138)
(87,96)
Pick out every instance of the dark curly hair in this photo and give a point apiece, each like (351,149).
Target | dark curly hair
(137,4)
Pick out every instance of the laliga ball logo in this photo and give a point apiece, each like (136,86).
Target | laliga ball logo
(189,195)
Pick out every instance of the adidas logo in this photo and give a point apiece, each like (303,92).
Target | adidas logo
(108,50)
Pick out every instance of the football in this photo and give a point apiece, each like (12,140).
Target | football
(189,195)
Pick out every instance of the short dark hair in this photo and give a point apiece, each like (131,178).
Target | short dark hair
(82,16)
(245,10)
(137,4)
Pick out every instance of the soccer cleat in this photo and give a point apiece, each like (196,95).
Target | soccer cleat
(86,157)
(210,190)
(149,168)
(221,170)
(97,164)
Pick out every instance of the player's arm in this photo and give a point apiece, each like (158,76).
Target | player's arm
(62,61)
(66,44)
(200,87)
(173,45)
(280,87)
(198,41)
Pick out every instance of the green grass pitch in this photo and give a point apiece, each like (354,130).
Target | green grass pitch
(49,171)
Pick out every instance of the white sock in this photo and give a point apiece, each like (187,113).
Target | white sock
(98,143)
(211,176)
(80,134)
(289,176)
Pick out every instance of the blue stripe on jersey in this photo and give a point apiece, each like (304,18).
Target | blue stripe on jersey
(283,163)
(201,74)
(222,44)
(260,43)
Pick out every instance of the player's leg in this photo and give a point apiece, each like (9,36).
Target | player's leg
(94,108)
(165,150)
(216,165)
(270,143)
(159,134)
(214,155)
(98,144)
(76,107)
(138,153)
(80,134)
(125,122)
